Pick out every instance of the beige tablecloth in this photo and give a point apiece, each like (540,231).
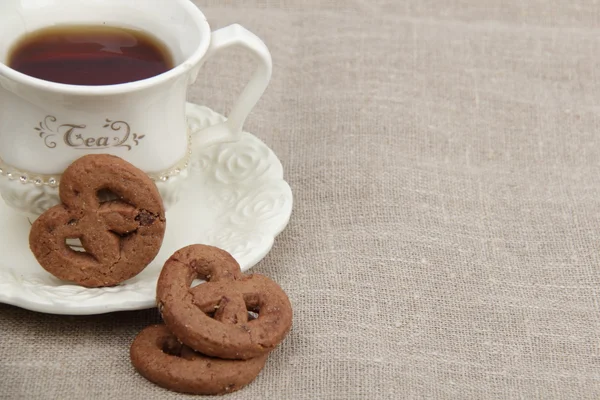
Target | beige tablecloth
(444,158)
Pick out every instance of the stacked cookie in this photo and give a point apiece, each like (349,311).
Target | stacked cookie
(217,335)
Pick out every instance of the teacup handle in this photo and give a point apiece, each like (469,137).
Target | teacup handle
(237,35)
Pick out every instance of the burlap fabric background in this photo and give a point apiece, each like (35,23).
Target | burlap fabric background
(444,158)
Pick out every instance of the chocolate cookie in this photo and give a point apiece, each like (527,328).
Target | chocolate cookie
(159,357)
(213,317)
(120,236)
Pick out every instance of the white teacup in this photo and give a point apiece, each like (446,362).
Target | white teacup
(45,126)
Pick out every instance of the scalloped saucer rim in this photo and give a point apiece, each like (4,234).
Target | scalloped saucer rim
(240,202)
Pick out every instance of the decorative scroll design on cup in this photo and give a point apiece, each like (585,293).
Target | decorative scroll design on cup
(45,132)
(121,141)
(73,135)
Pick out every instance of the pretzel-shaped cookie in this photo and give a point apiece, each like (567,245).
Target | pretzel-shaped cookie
(159,357)
(120,237)
(212,318)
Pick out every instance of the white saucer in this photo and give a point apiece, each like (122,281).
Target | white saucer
(234,198)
